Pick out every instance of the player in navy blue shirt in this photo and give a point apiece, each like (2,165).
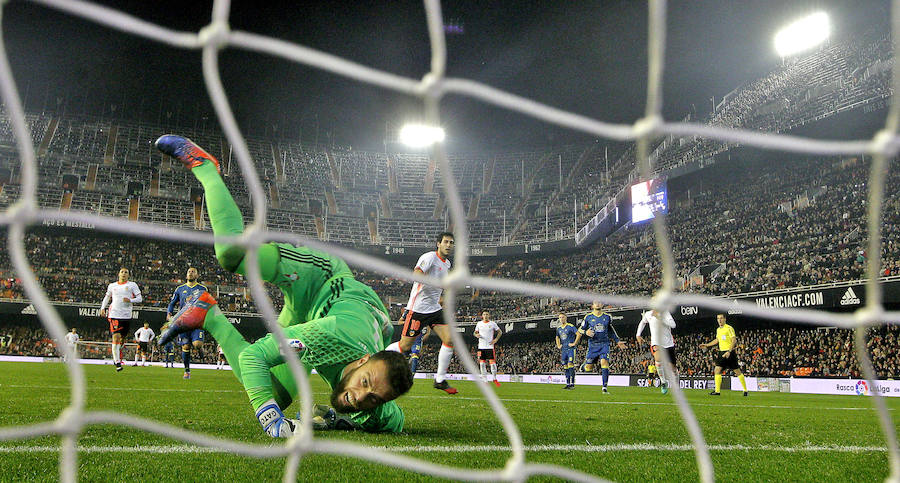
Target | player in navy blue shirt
(183,293)
(599,330)
(566,335)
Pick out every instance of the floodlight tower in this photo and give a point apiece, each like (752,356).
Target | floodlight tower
(803,34)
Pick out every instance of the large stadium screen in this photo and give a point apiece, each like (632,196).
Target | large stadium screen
(647,199)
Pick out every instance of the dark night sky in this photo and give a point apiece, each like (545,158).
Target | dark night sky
(587,57)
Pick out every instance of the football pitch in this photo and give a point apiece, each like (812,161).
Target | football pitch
(633,434)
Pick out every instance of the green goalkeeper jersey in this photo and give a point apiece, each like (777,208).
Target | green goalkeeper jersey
(331,320)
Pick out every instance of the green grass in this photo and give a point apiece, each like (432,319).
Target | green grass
(214,403)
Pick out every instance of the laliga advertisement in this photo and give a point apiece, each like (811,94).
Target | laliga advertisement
(848,387)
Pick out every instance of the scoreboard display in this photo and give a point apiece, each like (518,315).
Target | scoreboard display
(647,199)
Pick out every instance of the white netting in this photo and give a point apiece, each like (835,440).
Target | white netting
(431,88)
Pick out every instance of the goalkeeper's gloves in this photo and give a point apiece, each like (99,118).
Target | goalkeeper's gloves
(325,418)
(273,421)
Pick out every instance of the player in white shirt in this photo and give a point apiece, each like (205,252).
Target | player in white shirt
(220,363)
(424,309)
(660,336)
(72,339)
(119,298)
(144,336)
(488,333)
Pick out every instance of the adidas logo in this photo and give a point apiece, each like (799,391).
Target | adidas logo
(850,297)
(735,309)
(29,310)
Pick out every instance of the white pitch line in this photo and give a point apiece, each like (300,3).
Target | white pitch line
(645,403)
(184,449)
(555,401)
(113,388)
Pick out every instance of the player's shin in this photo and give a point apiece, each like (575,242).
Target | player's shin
(444,356)
(186,359)
(494,370)
(227,336)
(718,382)
(605,372)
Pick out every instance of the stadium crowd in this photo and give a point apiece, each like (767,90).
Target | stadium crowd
(770,352)
(773,352)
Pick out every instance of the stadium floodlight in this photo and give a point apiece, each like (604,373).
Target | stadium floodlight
(420,135)
(803,34)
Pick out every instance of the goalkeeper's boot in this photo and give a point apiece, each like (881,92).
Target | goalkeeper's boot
(496,383)
(664,388)
(605,390)
(185,150)
(444,386)
(189,318)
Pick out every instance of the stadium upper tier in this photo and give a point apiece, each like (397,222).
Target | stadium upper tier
(739,226)
(397,199)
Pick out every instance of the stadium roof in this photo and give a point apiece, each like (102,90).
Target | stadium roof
(588,57)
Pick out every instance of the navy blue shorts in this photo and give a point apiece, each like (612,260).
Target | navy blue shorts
(596,352)
(188,337)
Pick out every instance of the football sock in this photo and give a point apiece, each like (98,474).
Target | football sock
(482,367)
(224,214)
(743,381)
(413,364)
(718,382)
(661,373)
(566,374)
(225,218)
(227,336)
(395,347)
(605,372)
(494,371)
(233,343)
(444,356)
(144,360)
(115,353)
(186,359)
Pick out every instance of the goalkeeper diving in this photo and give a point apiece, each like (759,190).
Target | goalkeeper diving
(334,323)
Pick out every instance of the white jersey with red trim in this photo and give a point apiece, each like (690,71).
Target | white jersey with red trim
(425,299)
(660,328)
(144,335)
(115,299)
(486,332)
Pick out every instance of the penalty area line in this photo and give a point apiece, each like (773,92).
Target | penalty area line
(185,449)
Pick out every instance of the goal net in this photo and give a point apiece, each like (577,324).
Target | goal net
(431,89)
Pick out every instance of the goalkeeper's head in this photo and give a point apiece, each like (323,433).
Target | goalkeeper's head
(371,381)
